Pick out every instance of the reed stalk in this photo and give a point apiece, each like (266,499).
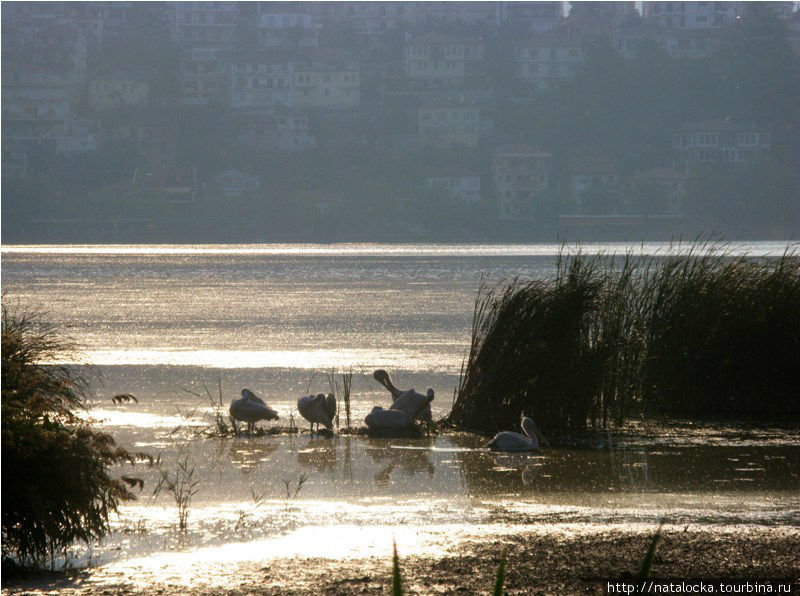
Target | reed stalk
(699,333)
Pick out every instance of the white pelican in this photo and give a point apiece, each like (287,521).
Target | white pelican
(319,409)
(380,419)
(250,408)
(510,441)
(415,405)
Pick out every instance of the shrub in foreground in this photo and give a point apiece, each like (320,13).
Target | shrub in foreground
(57,488)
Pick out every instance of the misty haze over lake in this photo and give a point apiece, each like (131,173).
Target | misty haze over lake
(320,121)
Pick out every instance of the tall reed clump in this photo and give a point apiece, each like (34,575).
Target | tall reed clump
(724,337)
(63,490)
(697,333)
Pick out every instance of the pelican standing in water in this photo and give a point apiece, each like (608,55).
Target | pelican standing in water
(511,441)
(319,410)
(415,405)
(250,409)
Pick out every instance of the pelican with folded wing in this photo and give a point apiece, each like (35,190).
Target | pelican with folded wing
(250,409)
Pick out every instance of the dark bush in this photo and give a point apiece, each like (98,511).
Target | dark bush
(57,488)
(700,334)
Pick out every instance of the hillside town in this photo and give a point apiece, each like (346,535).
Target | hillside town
(316,121)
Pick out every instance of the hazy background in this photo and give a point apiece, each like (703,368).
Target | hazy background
(401,121)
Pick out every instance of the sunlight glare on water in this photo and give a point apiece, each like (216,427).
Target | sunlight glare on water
(185,328)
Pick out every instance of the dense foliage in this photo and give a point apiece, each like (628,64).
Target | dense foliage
(57,488)
(700,335)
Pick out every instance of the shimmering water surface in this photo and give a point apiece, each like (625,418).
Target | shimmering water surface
(166,322)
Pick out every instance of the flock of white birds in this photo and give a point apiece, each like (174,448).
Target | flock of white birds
(408,407)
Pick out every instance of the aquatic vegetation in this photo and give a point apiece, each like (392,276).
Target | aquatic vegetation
(698,334)
(292,494)
(647,564)
(397,580)
(347,385)
(181,485)
(256,500)
(63,491)
(500,578)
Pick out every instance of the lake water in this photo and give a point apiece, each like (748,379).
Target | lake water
(167,322)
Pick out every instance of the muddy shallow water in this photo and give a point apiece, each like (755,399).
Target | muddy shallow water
(157,321)
(439,498)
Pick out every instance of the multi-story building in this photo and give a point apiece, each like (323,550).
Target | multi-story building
(367,18)
(287,25)
(294,131)
(592,175)
(547,59)
(204,24)
(35,105)
(462,186)
(203,79)
(532,16)
(615,12)
(443,60)
(718,142)
(261,79)
(521,178)
(447,125)
(326,79)
(117,91)
(692,15)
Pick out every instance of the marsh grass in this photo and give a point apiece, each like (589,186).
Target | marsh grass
(347,386)
(649,558)
(292,493)
(500,578)
(397,580)
(181,485)
(700,333)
